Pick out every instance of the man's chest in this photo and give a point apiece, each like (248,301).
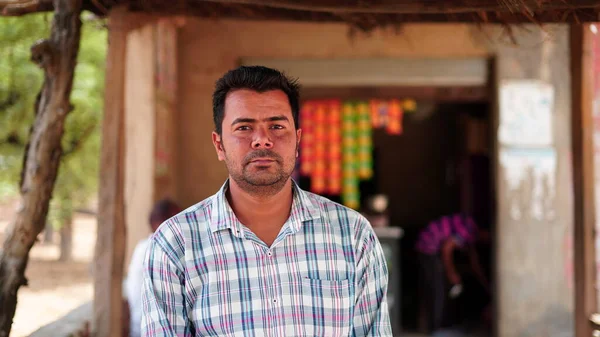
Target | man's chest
(292,289)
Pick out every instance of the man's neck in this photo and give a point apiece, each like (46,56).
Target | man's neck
(264,215)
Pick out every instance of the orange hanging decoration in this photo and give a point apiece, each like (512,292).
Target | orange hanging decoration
(350,181)
(318,176)
(395,114)
(307,140)
(364,138)
(334,148)
(374,106)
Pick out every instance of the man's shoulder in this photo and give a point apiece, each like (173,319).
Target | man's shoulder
(334,211)
(175,230)
(327,204)
(196,212)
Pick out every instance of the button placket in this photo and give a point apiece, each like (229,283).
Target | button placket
(272,301)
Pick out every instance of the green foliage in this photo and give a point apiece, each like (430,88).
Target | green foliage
(20,82)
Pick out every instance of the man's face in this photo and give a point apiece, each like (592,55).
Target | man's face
(259,142)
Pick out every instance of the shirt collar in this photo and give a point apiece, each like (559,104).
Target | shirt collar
(223,217)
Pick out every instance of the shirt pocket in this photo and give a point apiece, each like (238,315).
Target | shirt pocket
(326,307)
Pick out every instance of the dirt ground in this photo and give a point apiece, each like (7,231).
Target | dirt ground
(55,288)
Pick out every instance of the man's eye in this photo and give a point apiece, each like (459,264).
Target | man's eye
(277,126)
(243,128)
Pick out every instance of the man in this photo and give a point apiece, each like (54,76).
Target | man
(262,257)
(436,244)
(161,211)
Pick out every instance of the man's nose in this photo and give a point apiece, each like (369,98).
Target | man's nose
(262,140)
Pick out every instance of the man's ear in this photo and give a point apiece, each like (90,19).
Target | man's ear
(298,137)
(218,143)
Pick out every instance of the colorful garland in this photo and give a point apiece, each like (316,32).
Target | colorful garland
(350,191)
(307,140)
(320,141)
(365,141)
(336,150)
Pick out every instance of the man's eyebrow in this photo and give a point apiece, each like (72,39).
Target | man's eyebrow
(252,120)
(243,120)
(277,118)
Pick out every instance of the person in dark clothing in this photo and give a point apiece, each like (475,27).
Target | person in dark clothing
(439,276)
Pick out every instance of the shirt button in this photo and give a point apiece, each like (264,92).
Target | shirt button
(269,253)
(274,301)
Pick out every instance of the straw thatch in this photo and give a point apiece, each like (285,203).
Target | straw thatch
(364,14)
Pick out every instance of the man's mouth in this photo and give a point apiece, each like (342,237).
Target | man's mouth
(263,161)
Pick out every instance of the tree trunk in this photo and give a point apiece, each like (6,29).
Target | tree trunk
(66,240)
(57,56)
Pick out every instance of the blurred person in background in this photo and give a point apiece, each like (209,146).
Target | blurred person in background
(439,276)
(162,210)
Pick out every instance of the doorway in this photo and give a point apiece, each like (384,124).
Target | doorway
(440,164)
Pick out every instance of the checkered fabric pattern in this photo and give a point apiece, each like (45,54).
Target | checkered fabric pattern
(206,274)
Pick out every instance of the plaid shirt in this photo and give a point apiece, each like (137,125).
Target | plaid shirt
(206,274)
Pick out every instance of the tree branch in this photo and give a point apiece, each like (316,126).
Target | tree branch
(21,7)
(43,54)
(57,55)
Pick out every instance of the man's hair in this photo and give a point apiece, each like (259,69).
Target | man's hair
(255,78)
(163,210)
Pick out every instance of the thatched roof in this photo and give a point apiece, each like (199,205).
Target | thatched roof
(364,14)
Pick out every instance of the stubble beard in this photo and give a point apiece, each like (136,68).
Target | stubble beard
(261,183)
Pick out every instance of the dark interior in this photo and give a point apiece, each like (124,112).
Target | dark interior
(433,169)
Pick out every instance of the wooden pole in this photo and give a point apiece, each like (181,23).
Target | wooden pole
(165,153)
(110,242)
(582,124)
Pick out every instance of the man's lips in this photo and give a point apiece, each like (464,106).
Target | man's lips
(263,161)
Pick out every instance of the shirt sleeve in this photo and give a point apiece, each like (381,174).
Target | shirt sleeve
(163,303)
(371,313)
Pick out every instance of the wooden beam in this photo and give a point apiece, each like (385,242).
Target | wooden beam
(111,233)
(366,21)
(458,94)
(165,150)
(140,126)
(381,71)
(415,6)
(359,13)
(582,124)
